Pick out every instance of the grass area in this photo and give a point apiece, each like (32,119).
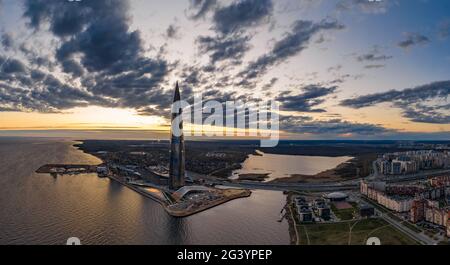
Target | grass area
(343,214)
(393,216)
(444,243)
(338,233)
(411,226)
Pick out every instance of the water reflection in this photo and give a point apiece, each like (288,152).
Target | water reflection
(38,209)
(282,166)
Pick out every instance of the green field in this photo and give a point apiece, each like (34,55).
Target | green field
(338,233)
(344,214)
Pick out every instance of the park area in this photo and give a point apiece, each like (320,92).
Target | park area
(351,233)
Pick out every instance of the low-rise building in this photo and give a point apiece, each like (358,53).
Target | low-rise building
(366,211)
(305,214)
(324,212)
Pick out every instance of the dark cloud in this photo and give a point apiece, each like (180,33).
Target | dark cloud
(65,19)
(200,8)
(374,66)
(136,88)
(269,85)
(307,125)
(7,41)
(418,103)
(428,114)
(24,89)
(98,31)
(73,67)
(410,95)
(312,96)
(291,44)
(413,39)
(373,56)
(192,76)
(365,6)
(224,48)
(231,42)
(172,31)
(336,68)
(97,46)
(241,14)
(105,45)
(11,66)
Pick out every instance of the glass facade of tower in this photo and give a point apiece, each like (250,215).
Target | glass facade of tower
(177,159)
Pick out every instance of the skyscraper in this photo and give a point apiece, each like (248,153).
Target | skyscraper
(177,170)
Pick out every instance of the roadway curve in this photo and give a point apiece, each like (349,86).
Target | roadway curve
(288,186)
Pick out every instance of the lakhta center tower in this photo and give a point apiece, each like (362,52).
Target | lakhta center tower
(177,160)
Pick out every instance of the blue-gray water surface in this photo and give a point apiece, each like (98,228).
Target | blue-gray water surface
(40,209)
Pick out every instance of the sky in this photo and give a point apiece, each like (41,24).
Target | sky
(339,69)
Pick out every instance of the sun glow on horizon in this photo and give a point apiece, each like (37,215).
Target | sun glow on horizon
(82,118)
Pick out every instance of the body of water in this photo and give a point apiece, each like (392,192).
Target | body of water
(40,209)
(283,166)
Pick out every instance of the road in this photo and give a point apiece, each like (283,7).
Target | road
(417,176)
(324,187)
(419,237)
(286,186)
(416,236)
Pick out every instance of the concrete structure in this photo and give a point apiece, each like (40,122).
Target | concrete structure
(305,214)
(440,181)
(366,211)
(177,155)
(417,212)
(324,212)
(412,161)
(430,211)
(395,203)
(376,191)
(336,196)
(436,215)
(448,225)
(102,171)
(182,192)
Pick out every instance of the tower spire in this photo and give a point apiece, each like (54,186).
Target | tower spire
(177,96)
(177,160)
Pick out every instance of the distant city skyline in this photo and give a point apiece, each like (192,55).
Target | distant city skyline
(341,69)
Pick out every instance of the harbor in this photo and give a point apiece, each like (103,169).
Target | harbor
(184,202)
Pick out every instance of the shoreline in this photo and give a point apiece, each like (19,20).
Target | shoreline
(186,213)
(239,193)
(354,168)
(244,194)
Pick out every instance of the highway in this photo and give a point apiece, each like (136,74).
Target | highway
(417,176)
(419,237)
(416,236)
(287,186)
(324,187)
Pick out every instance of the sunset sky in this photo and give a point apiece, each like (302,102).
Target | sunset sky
(349,69)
